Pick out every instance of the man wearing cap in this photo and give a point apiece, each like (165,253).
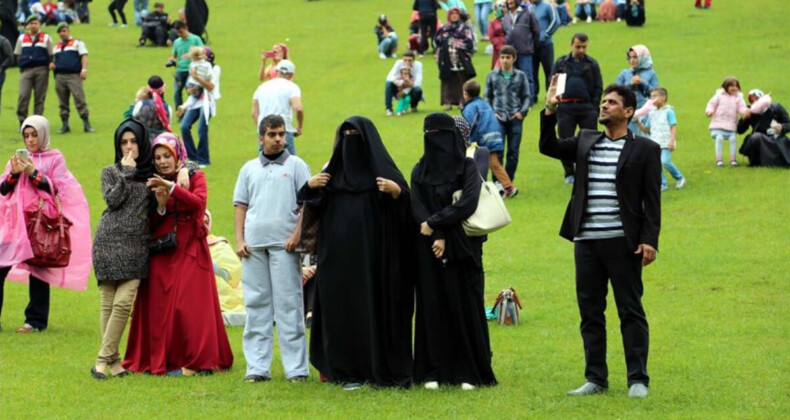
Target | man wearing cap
(280,96)
(71,68)
(155,26)
(33,53)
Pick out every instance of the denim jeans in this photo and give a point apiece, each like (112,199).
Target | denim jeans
(524,63)
(140,6)
(388,45)
(201,154)
(666,161)
(289,143)
(511,134)
(482,10)
(587,11)
(180,82)
(390,90)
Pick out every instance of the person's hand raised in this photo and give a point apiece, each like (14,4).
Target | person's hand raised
(128,160)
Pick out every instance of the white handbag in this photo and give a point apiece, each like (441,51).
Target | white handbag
(491,213)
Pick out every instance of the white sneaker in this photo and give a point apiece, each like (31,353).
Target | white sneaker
(394,55)
(681,182)
(589,19)
(112,25)
(389,112)
(123,25)
(619,20)
(432,385)
(467,387)
(575,21)
(382,56)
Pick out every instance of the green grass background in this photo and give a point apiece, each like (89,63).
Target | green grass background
(717,297)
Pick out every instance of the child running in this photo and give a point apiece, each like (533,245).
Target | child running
(723,108)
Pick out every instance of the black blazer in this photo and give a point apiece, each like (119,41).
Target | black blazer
(638,181)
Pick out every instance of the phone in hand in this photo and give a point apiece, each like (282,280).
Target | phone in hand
(23,154)
(268,54)
(561,80)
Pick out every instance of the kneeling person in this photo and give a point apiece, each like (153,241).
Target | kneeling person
(267,232)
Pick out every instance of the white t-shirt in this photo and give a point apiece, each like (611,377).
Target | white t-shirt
(274,97)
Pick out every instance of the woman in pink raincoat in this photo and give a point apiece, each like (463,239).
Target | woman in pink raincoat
(30,177)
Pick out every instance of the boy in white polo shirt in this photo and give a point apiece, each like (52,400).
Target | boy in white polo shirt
(267,232)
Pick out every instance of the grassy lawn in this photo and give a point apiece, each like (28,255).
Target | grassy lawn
(717,298)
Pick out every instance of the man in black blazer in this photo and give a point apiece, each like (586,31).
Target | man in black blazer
(613,218)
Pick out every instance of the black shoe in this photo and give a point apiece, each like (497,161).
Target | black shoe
(97,375)
(251,379)
(65,129)
(87,125)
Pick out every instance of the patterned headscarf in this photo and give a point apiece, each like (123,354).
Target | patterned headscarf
(156,87)
(174,144)
(41,125)
(643,55)
(463,128)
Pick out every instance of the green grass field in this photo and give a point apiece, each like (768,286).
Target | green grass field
(717,298)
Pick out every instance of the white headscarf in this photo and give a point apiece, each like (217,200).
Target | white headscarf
(41,125)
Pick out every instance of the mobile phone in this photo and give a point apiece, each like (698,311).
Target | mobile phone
(269,54)
(561,79)
(22,153)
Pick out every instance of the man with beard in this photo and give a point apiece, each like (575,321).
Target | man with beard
(613,218)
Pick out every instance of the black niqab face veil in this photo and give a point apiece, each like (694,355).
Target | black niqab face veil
(443,156)
(145,162)
(359,158)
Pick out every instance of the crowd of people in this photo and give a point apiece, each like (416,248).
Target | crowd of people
(395,283)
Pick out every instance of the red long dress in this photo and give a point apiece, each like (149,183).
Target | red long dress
(177,320)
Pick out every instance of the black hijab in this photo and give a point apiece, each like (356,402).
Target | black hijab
(358,159)
(442,161)
(145,161)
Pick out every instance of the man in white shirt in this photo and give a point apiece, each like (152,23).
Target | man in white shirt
(280,96)
(390,90)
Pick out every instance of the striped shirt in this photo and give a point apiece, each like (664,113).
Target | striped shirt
(601,219)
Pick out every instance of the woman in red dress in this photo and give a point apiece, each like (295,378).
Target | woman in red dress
(177,324)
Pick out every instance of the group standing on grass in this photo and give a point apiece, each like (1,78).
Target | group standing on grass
(389,254)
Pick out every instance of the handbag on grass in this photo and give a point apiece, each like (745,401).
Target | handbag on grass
(491,213)
(49,237)
(506,307)
(166,242)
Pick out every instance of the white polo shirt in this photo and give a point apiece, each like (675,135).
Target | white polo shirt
(274,97)
(268,188)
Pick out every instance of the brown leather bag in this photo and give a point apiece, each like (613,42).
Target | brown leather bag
(308,241)
(49,237)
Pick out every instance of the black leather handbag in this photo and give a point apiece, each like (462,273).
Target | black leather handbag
(166,242)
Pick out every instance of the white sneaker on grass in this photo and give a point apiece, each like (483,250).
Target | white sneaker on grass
(681,182)
(467,387)
(432,385)
(382,56)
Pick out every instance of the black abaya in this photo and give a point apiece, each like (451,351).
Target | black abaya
(451,342)
(361,328)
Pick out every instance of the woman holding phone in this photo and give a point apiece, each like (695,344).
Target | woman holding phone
(177,326)
(36,178)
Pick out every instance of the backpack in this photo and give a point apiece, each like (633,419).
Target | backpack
(507,306)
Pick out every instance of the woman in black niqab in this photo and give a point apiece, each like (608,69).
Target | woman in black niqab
(451,343)
(361,328)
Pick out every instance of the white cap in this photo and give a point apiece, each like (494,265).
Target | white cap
(286,67)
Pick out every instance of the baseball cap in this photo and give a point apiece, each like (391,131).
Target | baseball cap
(286,67)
